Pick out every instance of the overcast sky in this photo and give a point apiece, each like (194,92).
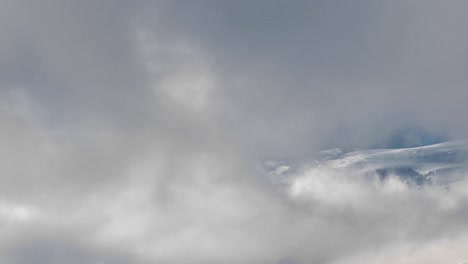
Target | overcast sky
(135,131)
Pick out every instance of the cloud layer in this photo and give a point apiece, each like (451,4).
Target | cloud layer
(133,132)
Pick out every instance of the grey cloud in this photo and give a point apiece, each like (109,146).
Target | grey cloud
(50,249)
(73,57)
(307,70)
(138,128)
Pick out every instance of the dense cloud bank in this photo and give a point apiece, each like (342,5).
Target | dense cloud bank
(136,131)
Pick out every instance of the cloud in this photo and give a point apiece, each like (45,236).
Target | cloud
(310,71)
(133,132)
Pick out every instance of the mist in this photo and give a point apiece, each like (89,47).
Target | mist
(155,131)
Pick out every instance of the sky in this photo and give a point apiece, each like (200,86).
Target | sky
(138,131)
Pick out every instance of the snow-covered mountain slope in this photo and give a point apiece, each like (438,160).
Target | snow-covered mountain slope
(441,163)
(438,163)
